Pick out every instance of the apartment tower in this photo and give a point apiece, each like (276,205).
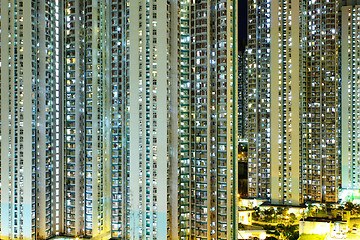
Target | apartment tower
(304,103)
(350,96)
(31,165)
(86,119)
(242,94)
(320,177)
(285,103)
(144,77)
(208,120)
(258,54)
(118,119)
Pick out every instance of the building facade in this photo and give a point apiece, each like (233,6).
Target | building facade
(208,120)
(350,110)
(118,130)
(31,191)
(243,181)
(86,119)
(320,142)
(259,98)
(285,103)
(120,159)
(299,85)
(242,95)
(141,79)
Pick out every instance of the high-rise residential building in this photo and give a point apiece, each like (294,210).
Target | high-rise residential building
(31,166)
(285,105)
(208,120)
(258,55)
(242,94)
(243,181)
(87,159)
(112,129)
(186,195)
(120,158)
(143,78)
(320,177)
(302,77)
(350,97)
(242,121)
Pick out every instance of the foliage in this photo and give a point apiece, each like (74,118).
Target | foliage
(353,208)
(271,238)
(295,236)
(268,227)
(256,213)
(312,210)
(292,217)
(281,211)
(287,231)
(349,206)
(269,214)
(241,226)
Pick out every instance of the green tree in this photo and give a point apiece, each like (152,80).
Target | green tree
(256,213)
(287,231)
(281,213)
(329,206)
(353,208)
(280,230)
(356,209)
(312,210)
(241,226)
(295,235)
(292,217)
(269,214)
(349,206)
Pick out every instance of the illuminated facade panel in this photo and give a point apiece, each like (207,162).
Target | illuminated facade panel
(87,160)
(96,113)
(186,223)
(350,94)
(120,159)
(30,155)
(258,55)
(320,175)
(299,120)
(242,96)
(208,120)
(285,103)
(142,63)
